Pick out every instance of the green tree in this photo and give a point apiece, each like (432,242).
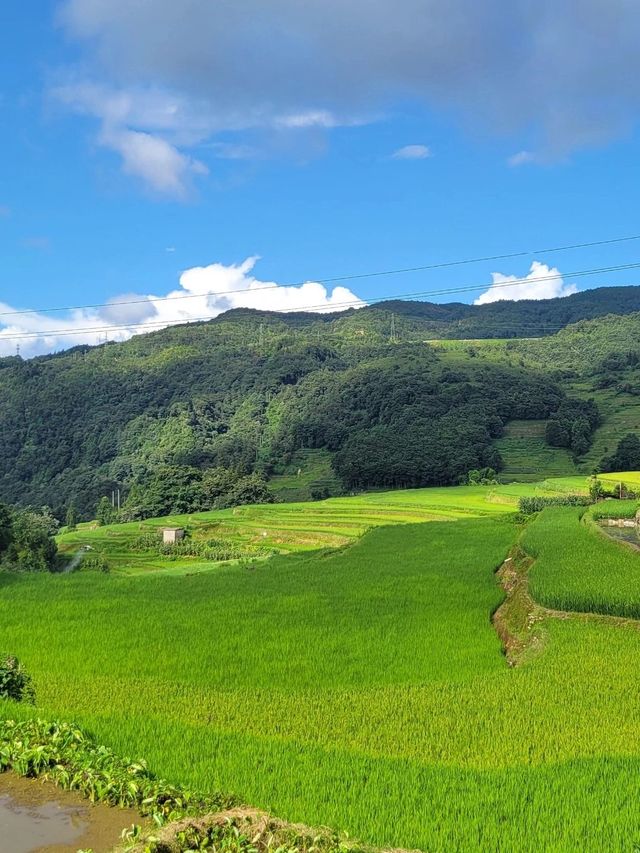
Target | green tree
(596,489)
(104,511)
(72,516)
(626,456)
(6,523)
(32,547)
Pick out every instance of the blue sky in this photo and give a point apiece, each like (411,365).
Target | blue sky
(138,145)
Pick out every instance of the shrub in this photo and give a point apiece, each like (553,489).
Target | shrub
(535,504)
(95,561)
(15,682)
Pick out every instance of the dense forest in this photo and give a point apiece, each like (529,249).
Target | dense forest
(170,412)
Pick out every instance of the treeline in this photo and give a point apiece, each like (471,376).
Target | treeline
(172,489)
(27,541)
(572,425)
(626,456)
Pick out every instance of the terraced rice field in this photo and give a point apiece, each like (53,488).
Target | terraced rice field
(364,688)
(526,454)
(294,528)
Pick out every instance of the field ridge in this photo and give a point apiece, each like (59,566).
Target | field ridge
(519,620)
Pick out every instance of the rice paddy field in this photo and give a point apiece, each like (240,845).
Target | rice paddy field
(594,574)
(298,527)
(365,687)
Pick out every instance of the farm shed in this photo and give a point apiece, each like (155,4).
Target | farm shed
(171,535)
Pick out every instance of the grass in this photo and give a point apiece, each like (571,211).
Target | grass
(526,454)
(363,689)
(300,527)
(309,471)
(578,568)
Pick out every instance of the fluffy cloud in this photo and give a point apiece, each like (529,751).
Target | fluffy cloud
(203,293)
(180,76)
(542,282)
(158,163)
(412,152)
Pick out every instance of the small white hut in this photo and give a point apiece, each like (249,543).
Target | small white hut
(171,535)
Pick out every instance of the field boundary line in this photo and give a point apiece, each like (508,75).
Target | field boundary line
(519,619)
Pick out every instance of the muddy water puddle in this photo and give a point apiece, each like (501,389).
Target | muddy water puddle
(37,818)
(630,535)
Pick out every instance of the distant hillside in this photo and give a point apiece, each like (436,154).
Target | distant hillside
(455,320)
(318,403)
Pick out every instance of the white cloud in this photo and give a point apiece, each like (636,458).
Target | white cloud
(522,158)
(412,152)
(154,160)
(542,282)
(203,293)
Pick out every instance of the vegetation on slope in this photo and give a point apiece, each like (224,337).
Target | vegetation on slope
(166,407)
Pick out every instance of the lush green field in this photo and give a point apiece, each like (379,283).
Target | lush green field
(293,528)
(526,454)
(364,688)
(578,567)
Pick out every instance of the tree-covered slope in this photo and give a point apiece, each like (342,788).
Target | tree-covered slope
(250,391)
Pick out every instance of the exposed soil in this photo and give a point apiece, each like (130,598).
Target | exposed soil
(519,620)
(41,818)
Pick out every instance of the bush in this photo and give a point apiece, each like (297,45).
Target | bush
(536,504)
(15,682)
(95,561)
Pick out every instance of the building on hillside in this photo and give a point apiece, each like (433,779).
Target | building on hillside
(171,535)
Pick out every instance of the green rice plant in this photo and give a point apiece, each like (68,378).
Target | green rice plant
(577,568)
(614,509)
(364,688)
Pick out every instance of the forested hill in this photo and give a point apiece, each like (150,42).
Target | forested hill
(508,319)
(250,390)
(457,320)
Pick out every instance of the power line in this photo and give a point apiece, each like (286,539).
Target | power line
(334,279)
(335,308)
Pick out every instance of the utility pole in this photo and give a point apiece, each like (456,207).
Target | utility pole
(392,337)
(118,500)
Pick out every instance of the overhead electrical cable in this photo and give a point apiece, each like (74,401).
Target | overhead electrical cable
(334,308)
(343,278)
